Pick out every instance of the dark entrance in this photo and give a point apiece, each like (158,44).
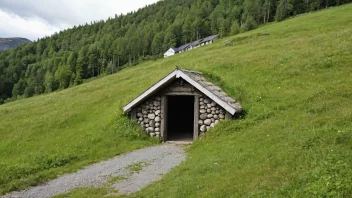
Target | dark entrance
(180,118)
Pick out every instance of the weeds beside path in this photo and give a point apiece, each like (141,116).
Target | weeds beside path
(125,173)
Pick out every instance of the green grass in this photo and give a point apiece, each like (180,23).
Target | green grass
(295,141)
(137,167)
(89,192)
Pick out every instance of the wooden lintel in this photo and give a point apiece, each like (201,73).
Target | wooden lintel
(182,94)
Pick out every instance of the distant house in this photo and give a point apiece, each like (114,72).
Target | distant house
(189,46)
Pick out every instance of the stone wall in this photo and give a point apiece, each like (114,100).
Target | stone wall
(149,116)
(209,114)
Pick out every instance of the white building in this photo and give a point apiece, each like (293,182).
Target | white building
(170,52)
(189,46)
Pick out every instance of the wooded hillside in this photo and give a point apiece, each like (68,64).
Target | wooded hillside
(102,47)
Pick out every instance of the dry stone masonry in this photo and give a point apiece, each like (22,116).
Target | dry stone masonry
(210,114)
(149,116)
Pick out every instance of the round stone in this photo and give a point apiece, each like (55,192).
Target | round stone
(157,130)
(150,129)
(203,128)
(201,99)
(157,133)
(202,111)
(213,112)
(152,134)
(146,121)
(207,122)
(200,122)
(152,123)
(157,112)
(213,104)
(212,120)
(203,116)
(201,103)
(208,110)
(215,116)
(217,111)
(202,107)
(213,109)
(144,112)
(209,115)
(157,119)
(206,101)
(217,121)
(212,125)
(209,106)
(156,103)
(221,116)
(208,128)
(157,124)
(139,114)
(151,116)
(147,125)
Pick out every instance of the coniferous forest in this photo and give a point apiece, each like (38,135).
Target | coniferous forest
(69,57)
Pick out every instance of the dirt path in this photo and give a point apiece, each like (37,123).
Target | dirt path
(131,171)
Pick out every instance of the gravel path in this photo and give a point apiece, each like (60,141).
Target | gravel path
(154,161)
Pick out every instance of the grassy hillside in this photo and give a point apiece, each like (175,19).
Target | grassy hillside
(294,83)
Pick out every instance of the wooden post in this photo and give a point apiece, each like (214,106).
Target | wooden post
(196,117)
(228,116)
(163,127)
(133,113)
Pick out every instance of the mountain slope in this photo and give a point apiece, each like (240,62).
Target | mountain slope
(295,140)
(8,43)
(102,47)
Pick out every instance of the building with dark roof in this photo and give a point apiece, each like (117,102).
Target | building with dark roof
(189,46)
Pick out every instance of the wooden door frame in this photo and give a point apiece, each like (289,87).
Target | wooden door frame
(164,115)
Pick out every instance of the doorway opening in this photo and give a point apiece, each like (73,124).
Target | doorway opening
(180,118)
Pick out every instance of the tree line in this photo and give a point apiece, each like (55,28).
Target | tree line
(102,47)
